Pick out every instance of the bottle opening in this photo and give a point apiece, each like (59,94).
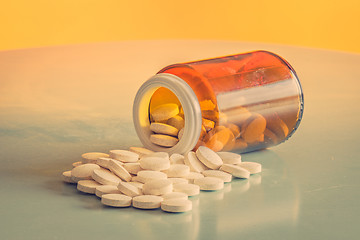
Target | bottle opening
(166,117)
(159,111)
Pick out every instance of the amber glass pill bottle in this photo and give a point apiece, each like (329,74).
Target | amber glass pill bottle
(240,103)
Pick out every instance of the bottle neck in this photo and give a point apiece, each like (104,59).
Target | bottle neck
(189,103)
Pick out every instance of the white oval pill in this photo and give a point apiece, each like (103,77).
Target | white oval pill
(137,184)
(189,189)
(66,177)
(159,154)
(103,162)
(162,128)
(154,163)
(175,195)
(163,140)
(176,158)
(157,187)
(235,170)
(176,205)
(178,180)
(135,179)
(178,170)
(83,172)
(75,164)
(105,177)
(119,170)
(230,157)
(147,201)
(148,175)
(164,112)
(208,157)
(226,177)
(106,189)
(116,200)
(192,176)
(132,168)
(129,189)
(91,157)
(124,155)
(252,167)
(87,186)
(140,151)
(209,183)
(194,163)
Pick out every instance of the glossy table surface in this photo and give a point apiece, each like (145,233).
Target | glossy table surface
(59,102)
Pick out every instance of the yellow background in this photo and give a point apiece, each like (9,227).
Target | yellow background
(325,24)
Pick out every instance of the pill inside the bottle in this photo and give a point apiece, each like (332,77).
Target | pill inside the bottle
(177,121)
(163,140)
(254,128)
(162,128)
(165,111)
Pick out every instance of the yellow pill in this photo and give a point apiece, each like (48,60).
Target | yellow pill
(163,128)
(163,140)
(164,112)
(208,124)
(254,129)
(177,122)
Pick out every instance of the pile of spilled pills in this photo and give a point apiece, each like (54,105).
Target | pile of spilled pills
(145,179)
